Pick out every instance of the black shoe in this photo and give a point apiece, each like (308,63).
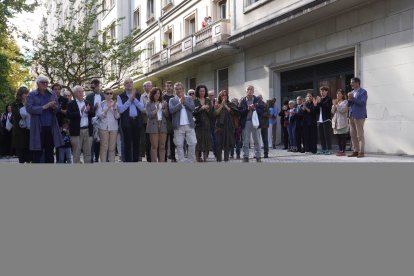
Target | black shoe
(259,160)
(266,155)
(246,159)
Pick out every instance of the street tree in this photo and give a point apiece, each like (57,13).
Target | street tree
(77,51)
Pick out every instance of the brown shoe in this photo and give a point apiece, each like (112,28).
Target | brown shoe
(354,154)
(360,155)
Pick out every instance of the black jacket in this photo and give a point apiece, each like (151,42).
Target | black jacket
(326,104)
(73,113)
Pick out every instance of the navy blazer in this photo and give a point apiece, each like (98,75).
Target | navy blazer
(243,110)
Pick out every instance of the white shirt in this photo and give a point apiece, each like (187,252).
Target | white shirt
(159,112)
(183,116)
(320,115)
(84,115)
(97,99)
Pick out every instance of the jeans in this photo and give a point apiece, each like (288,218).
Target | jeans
(65,152)
(292,134)
(247,131)
(187,133)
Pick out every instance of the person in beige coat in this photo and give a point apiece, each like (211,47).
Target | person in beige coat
(108,127)
(340,120)
(157,113)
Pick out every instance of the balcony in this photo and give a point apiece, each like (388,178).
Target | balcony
(207,38)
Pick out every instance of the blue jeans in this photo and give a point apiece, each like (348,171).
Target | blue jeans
(292,134)
(65,152)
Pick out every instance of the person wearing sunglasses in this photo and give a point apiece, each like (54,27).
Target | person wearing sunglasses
(108,116)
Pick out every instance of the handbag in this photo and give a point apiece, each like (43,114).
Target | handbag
(22,123)
(255,119)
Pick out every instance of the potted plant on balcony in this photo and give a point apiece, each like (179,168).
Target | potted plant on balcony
(164,44)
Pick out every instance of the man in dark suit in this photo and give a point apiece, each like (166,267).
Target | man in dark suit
(130,108)
(80,113)
(95,98)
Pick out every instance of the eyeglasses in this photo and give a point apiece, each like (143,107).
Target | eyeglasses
(109,93)
(191,94)
(44,82)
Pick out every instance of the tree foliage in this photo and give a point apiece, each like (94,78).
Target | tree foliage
(12,72)
(77,51)
(9,8)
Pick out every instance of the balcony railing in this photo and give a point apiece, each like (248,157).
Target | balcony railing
(219,31)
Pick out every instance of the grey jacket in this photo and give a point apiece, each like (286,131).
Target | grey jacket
(175,110)
(152,122)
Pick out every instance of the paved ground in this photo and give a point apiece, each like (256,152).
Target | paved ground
(282,156)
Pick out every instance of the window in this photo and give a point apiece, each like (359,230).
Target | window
(192,83)
(223,79)
(168,38)
(222,6)
(150,9)
(150,49)
(166,3)
(250,2)
(190,26)
(113,32)
(137,18)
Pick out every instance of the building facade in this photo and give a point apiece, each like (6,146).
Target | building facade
(284,48)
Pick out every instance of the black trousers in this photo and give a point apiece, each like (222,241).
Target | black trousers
(95,148)
(285,137)
(325,135)
(310,138)
(300,143)
(45,155)
(220,148)
(170,138)
(132,137)
(265,139)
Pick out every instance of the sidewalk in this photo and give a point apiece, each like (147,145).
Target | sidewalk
(282,156)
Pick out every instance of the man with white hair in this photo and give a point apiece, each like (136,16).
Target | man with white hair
(247,106)
(80,112)
(42,105)
(181,108)
(130,107)
(145,146)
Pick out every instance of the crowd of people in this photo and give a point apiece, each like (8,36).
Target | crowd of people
(49,125)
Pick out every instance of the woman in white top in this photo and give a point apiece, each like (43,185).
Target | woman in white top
(108,116)
(340,120)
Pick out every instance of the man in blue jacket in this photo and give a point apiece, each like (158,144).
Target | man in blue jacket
(247,105)
(357,103)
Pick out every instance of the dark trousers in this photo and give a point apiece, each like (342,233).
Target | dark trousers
(285,137)
(24,155)
(238,145)
(300,143)
(170,138)
(132,137)
(341,141)
(265,139)
(214,142)
(310,138)
(46,154)
(95,148)
(145,148)
(325,135)
(220,148)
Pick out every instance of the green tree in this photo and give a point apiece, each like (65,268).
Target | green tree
(9,8)
(78,52)
(13,73)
